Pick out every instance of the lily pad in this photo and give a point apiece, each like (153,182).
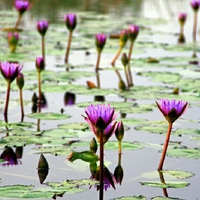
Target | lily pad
(48,116)
(140,197)
(165,185)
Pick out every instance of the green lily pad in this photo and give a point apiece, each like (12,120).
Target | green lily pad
(75,126)
(112,145)
(165,185)
(165,198)
(140,197)
(48,116)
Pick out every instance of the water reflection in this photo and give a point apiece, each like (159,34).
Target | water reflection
(69,99)
(10,157)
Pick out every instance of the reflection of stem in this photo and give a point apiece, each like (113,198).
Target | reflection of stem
(21,104)
(119,159)
(43,49)
(129,67)
(117,55)
(39,92)
(18,20)
(7,99)
(98,79)
(38,125)
(160,166)
(162,180)
(126,74)
(101,166)
(68,47)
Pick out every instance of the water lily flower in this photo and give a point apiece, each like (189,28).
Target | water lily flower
(133,32)
(195,5)
(42,27)
(123,38)
(70,21)
(100,41)
(100,119)
(182,16)
(10,70)
(172,109)
(22,6)
(13,38)
(39,63)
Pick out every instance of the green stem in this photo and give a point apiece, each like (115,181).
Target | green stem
(160,166)
(21,103)
(43,49)
(97,69)
(68,46)
(7,99)
(116,56)
(127,76)
(120,147)
(129,66)
(101,166)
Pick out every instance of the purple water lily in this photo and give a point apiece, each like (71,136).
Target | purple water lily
(22,6)
(39,63)
(100,40)
(195,5)
(172,109)
(10,70)
(42,27)
(13,38)
(100,119)
(182,16)
(133,31)
(70,21)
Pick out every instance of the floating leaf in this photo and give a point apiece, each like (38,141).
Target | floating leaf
(165,185)
(48,116)
(140,197)
(113,145)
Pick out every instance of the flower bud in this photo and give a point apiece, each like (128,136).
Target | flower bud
(119,132)
(195,5)
(123,38)
(119,174)
(122,85)
(39,64)
(70,21)
(124,59)
(93,145)
(20,80)
(182,18)
(42,27)
(13,38)
(100,40)
(133,32)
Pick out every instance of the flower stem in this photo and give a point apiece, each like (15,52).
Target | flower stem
(160,166)
(68,46)
(127,76)
(7,100)
(21,103)
(18,21)
(97,69)
(101,166)
(119,147)
(195,26)
(129,67)
(43,49)
(162,180)
(116,56)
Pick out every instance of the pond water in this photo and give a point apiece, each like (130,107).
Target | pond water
(51,132)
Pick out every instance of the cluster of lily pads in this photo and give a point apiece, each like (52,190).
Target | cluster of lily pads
(101,117)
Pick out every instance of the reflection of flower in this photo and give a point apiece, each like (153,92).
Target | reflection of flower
(108,178)
(9,157)
(172,109)
(69,99)
(100,119)
(22,6)
(42,27)
(10,70)
(70,21)
(13,38)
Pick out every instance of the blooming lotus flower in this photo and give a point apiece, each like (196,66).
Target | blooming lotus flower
(42,27)
(100,119)
(39,64)
(10,70)
(12,38)
(172,109)
(70,21)
(182,16)
(133,32)
(195,5)
(22,6)
(123,38)
(100,40)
